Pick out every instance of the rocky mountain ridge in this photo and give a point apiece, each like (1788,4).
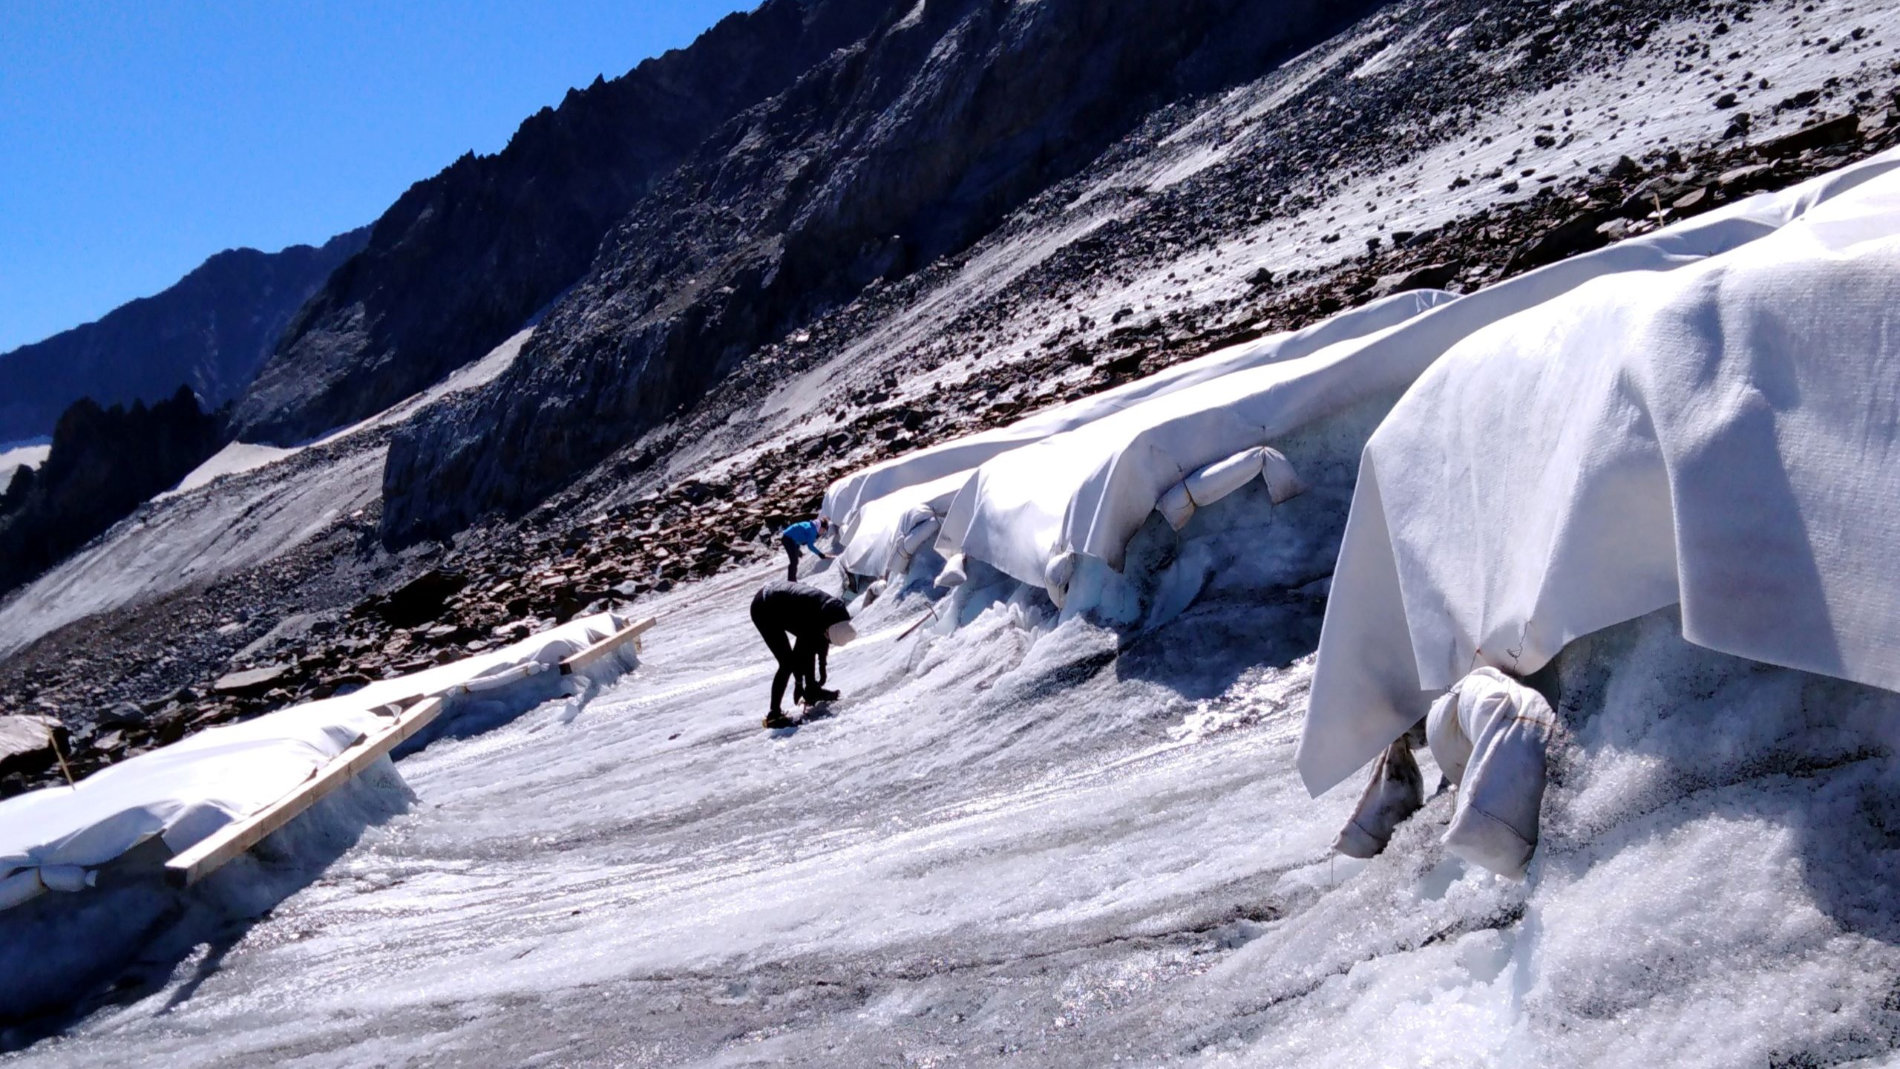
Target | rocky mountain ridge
(464,259)
(103,463)
(903,148)
(210,331)
(799,206)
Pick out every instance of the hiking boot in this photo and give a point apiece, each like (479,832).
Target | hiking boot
(820,694)
(776,719)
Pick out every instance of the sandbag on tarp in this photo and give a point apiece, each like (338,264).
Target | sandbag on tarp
(1088,490)
(900,541)
(868,504)
(956,572)
(1211,482)
(184,792)
(1726,436)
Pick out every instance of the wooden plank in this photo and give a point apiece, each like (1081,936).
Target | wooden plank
(500,679)
(606,645)
(206,857)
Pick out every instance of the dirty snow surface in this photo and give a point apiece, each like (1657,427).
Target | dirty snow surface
(1003,838)
(1028,840)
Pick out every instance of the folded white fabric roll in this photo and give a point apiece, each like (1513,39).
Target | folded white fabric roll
(1488,735)
(1396,791)
(1176,506)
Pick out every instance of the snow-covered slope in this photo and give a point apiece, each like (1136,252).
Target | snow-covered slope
(651,874)
(15,457)
(1030,842)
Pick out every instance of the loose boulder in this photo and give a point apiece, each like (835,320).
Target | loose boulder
(250,683)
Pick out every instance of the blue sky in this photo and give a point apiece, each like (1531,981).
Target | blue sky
(139,137)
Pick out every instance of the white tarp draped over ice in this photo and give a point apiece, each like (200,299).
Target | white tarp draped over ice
(870,505)
(186,791)
(1088,490)
(1726,436)
(879,526)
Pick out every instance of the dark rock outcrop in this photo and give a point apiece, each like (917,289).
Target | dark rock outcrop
(903,148)
(466,258)
(104,462)
(1834,131)
(29,748)
(418,601)
(211,330)
(1574,235)
(1430,276)
(250,682)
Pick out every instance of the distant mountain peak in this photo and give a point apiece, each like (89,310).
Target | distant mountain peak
(463,259)
(211,330)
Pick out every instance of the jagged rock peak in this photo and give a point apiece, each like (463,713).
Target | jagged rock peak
(211,329)
(904,147)
(466,258)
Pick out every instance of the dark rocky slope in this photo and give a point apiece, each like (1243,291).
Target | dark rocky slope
(899,150)
(103,463)
(464,259)
(211,331)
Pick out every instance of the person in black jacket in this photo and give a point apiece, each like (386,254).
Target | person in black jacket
(816,621)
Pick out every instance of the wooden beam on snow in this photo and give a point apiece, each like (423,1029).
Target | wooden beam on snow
(605,646)
(206,857)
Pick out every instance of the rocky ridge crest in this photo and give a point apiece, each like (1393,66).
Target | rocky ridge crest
(210,331)
(905,147)
(464,259)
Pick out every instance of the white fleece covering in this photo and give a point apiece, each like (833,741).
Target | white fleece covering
(1726,436)
(879,528)
(869,505)
(188,790)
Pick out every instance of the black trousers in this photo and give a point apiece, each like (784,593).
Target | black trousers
(795,661)
(791,557)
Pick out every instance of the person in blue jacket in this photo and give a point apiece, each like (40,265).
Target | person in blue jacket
(806,535)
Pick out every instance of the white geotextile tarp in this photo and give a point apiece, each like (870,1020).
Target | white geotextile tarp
(870,505)
(879,524)
(1090,489)
(1726,436)
(188,790)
